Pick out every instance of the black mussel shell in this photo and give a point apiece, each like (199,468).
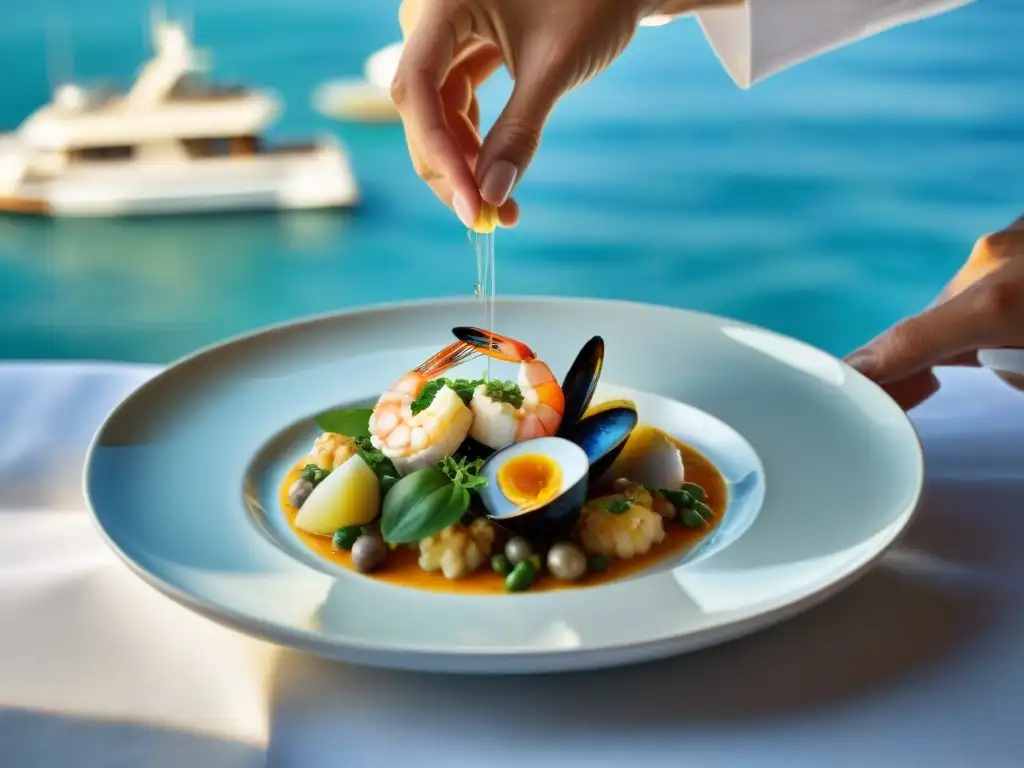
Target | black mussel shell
(473,449)
(557,517)
(552,522)
(603,436)
(580,382)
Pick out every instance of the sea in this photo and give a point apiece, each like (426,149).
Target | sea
(826,202)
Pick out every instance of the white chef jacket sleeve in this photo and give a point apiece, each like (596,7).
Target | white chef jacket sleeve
(758,38)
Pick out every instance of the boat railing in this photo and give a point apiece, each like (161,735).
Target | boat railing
(291,148)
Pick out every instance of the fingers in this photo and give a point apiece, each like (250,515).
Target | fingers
(416,90)
(948,330)
(515,137)
(914,390)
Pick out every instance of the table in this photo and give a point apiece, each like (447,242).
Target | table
(919,663)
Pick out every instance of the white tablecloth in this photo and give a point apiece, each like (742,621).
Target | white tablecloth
(919,663)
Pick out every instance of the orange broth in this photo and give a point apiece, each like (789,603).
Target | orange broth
(402,569)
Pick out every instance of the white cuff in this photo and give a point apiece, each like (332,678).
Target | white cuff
(759,38)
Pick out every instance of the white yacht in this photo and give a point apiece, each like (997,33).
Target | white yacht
(171,143)
(366,99)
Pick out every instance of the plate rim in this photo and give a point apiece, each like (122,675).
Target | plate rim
(473,660)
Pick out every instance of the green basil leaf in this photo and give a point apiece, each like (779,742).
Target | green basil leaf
(420,505)
(354,422)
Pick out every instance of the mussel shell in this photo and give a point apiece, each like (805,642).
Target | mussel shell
(558,516)
(473,449)
(580,382)
(602,436)
(552,522)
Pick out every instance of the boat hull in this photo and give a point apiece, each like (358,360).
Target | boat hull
(309,180)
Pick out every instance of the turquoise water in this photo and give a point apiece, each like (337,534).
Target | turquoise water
(825,203)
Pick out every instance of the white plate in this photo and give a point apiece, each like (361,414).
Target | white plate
(181,477)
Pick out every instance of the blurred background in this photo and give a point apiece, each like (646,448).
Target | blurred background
(826,202)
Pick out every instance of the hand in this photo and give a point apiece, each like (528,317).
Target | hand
(452,46)
(981,308)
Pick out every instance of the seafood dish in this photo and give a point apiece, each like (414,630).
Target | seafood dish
(491,485)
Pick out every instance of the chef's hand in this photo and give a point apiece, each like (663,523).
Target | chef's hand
(452,46)
(981,308)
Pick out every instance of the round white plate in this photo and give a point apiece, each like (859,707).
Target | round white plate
(824,473)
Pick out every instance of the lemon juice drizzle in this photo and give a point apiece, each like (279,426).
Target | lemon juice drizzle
(482,237)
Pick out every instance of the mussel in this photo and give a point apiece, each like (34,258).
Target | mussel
(580,382)
(537,488)
(602,436)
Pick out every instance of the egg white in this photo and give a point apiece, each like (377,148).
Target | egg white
(571,459)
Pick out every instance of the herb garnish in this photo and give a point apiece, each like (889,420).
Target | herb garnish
(314,474)
(498,390)
(464,472)
(505,392)
(615,506)
(375,460)
(462,387)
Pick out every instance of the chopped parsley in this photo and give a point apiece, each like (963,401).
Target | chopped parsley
(499,391)
(462,387)
(505,392)
(375,460)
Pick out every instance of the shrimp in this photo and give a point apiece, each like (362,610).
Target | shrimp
(414,441)
(496,423)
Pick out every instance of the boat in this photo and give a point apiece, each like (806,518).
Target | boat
(366,99)
(172,143)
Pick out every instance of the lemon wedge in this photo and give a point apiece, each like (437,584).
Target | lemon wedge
(487,220)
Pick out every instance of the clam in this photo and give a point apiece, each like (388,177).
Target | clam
(580,382)
(650,458)
(602,436)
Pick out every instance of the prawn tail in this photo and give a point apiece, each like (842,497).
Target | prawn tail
(452,355)
(495,345)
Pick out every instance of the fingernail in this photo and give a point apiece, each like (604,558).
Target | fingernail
(462,209)
(863,360)
(498,182)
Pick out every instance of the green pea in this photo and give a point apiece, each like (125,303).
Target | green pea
(597,564)
(695,491)
(521,577)
(536,562)
(704,510)
(387,482)
(500,564)
(344,538)
(692,518)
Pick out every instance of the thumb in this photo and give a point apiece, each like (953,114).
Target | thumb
(513,140)
(925,340)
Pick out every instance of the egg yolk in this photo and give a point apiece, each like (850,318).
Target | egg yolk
(530,479)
